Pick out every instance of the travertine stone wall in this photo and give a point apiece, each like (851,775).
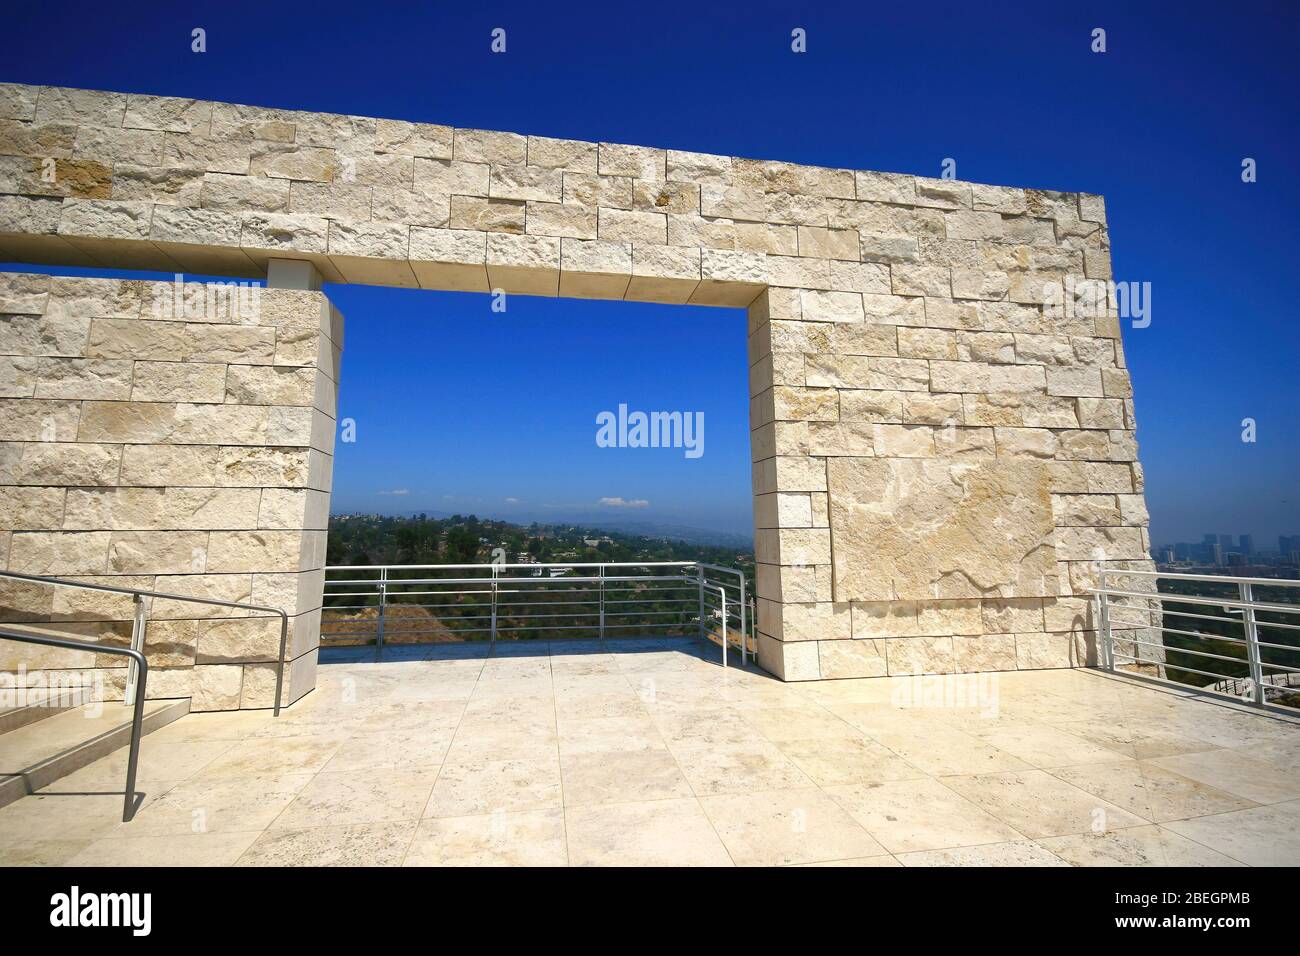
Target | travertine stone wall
(939,461)
(149,445)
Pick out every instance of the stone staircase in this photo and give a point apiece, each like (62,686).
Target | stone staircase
(47,739)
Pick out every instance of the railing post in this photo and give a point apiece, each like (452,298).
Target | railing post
(699,575)
(1103,623)
(1254,659)
(600,573)
(493,638)
(722,595)
(742,619)
(139,622)
(383,601)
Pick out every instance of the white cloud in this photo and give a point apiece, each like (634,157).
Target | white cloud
(623,503)
(396,491)
(512,501)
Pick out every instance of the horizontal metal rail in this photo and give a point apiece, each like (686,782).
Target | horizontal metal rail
(141,619)
(617,596)
(141,677)
(1241,648)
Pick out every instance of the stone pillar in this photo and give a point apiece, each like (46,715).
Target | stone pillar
(941,462)
(172,438)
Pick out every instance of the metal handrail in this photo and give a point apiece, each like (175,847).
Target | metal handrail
(588,591)
(1242,612)
(137,714)
(140,622)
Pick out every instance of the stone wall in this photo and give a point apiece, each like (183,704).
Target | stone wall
(939,460)
(173,444)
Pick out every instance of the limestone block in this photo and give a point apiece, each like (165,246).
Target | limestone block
(293,161)
(18,102)
(564,154)
(857,371)
(855,439)
(986,377)
(1076,382)
(270,385)
(30,420)
(1093,544)
(566,220)
(895,188)
(83,107)
(881,619)
(854,658)
(157,552)
(487,215)
(488,146)
(829,306)
(526,182)
(924,408)
(920,529)
(632,226)
(217,687)
(1086,510)
(920,655)
(663,273)
(31,508)
(243,639)
(50,552)
(638,162)
(939,618)
(1026,442)
(650,196)
(429,140)
(606,192)
(237,193)
(863,405)
(450,259)
(234,551)
(529,265)
(411,207)
(61,464)
(1040,650)
(927,344)
(177,382)
(594,269)
(788,662)
(262,467)
(985,653)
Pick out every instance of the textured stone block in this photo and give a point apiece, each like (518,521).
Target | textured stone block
(918,529)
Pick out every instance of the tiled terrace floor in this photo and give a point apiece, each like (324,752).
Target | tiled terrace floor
(652,754)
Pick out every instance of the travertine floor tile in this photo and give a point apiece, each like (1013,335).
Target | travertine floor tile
(1260,836)
(1237,774)
(1134,846)
(363,796)
(191,849)
(1150,791)
(738,768)
(908,815)
(621,776)
(786,827)
(396,750)
(372,844)
(1038,804)
(472,787)
(835,761)
(275,755)
(527,838)
(1019,853)
(216,804)
(654,833)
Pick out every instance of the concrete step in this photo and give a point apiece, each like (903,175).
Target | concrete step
(38,705)
(35,754)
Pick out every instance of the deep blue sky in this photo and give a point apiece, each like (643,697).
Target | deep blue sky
(1159,124)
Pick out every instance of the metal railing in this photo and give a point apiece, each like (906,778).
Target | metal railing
(1214,632)
(139,677)
(140,621)
(439,603)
